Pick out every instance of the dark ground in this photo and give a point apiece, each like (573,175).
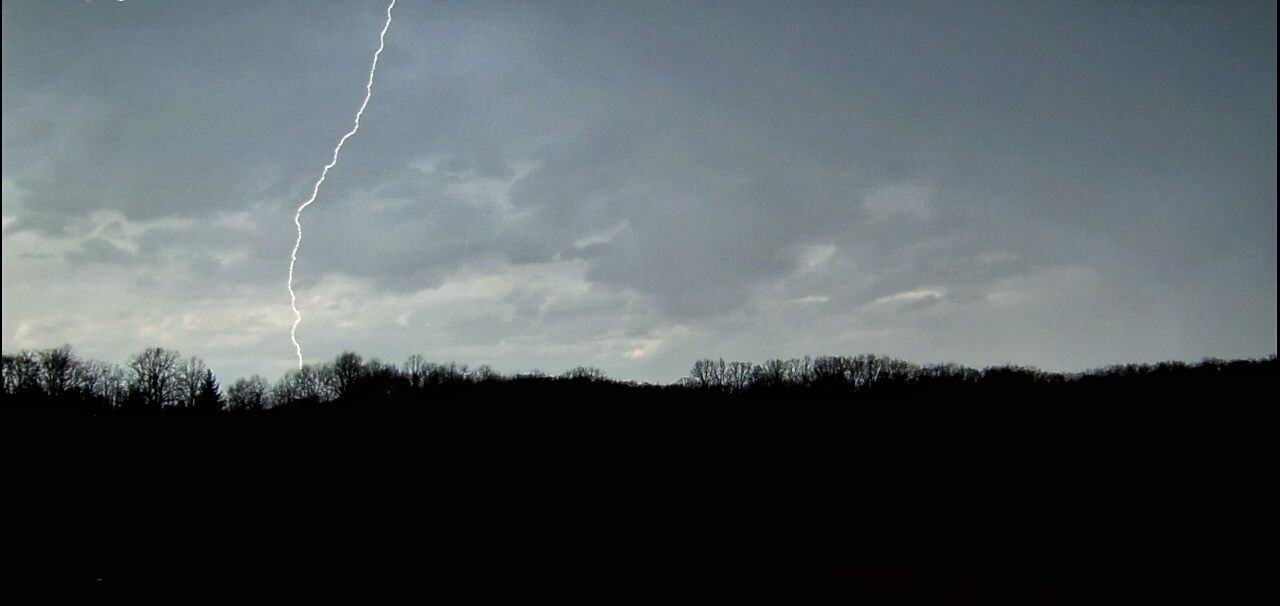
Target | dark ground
(1009,501)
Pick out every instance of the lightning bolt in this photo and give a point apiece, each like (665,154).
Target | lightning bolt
(297,217)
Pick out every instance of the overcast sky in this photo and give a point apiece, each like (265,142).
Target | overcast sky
(636,185)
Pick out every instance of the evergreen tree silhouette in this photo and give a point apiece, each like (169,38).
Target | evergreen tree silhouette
(209,398)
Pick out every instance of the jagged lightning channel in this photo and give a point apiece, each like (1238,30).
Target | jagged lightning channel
(297,217)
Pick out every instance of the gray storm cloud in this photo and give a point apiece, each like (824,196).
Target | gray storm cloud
(637,186)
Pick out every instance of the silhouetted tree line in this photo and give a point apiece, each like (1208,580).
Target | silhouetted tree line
(162,380)
(875,377)
(57,380)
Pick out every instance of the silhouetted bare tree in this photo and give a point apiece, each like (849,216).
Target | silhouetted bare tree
(347,368)
(60,371)
(22,373)
(415,370)
(155,382)
(707,373)
(248,394)
(191,372)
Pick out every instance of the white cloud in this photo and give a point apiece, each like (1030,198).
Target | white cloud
(810,300)
(912,296)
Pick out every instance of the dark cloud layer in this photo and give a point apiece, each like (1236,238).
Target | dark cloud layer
(1064,184)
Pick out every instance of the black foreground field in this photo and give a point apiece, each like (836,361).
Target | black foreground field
(1122,487)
